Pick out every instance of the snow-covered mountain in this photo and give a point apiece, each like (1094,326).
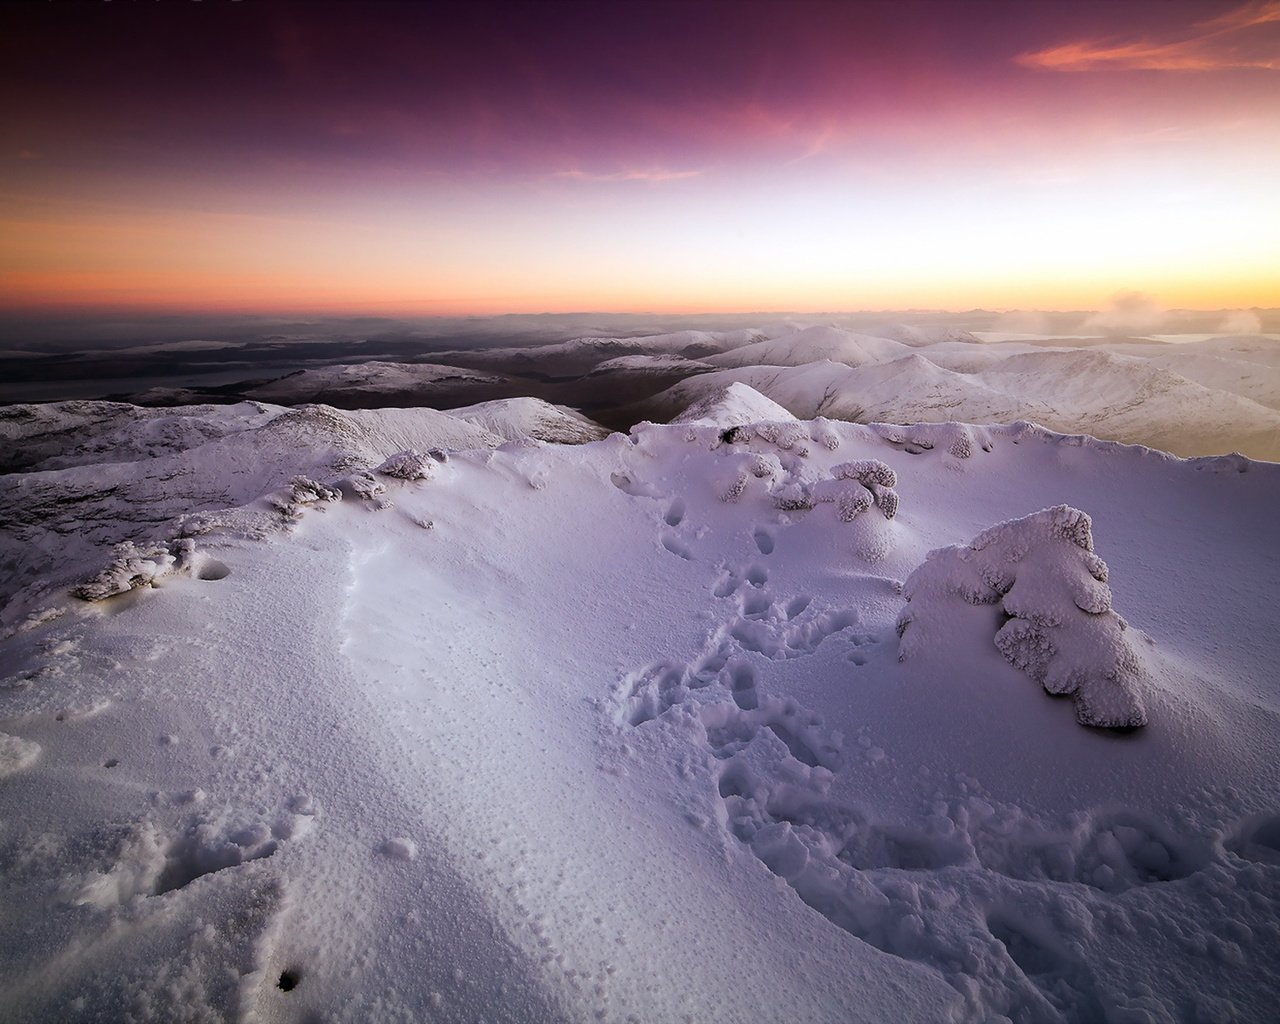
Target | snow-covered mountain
(390,720)
(1118,397)
(369,379)
(514,418)
(810,345)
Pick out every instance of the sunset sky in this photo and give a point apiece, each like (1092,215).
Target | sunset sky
(697,156)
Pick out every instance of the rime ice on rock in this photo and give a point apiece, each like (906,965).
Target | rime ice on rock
(131,568)
(362,485)
(302,490)
(854,487)
(1061,631)
(743,468)
(408,465)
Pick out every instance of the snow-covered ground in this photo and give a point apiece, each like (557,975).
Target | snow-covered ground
(676,725)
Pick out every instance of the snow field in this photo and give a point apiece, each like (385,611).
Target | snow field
(625,735)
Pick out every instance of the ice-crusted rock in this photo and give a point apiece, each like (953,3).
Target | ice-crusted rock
(301,491)
(866,472)
(408,465)
(959,440)
(363,485)
(745,467)
(821,431)
(1043,572)
(854,487)
(131,568)
(784,436)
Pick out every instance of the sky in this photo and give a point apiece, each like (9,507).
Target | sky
(243,156)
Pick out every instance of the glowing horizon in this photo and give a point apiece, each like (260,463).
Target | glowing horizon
(573,157)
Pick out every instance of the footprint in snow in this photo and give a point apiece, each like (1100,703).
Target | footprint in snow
(676,546)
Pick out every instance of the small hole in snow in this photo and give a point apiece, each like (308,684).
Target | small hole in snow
(111,763)
(213,570)
(289,980)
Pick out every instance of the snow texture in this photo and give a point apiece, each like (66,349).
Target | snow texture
(16,754)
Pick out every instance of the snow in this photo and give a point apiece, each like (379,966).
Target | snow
(371,378)
(513,418)
(103,474)
(812,344)
(734,405)
(651,363)
(602,744)
(1115,396)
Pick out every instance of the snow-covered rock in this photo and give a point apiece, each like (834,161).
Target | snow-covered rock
(1042,572)
(408,465)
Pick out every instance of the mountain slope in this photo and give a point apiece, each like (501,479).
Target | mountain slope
(623,730)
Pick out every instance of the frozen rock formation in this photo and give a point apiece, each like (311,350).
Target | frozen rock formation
(1052,588)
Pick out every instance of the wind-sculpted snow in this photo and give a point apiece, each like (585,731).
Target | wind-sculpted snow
(16,754)
(1059,628)
(558,733)
(111,475)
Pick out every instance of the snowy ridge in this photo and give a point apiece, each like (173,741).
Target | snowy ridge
(646,363)
(371,378)
(734,405)
(813,344)
(110,474)
(421,754)
(1117,397)
(512,418)
(1209,396)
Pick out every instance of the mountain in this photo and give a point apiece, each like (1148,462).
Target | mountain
(371,380)
(812,344)
(1116,397)
(513,418)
